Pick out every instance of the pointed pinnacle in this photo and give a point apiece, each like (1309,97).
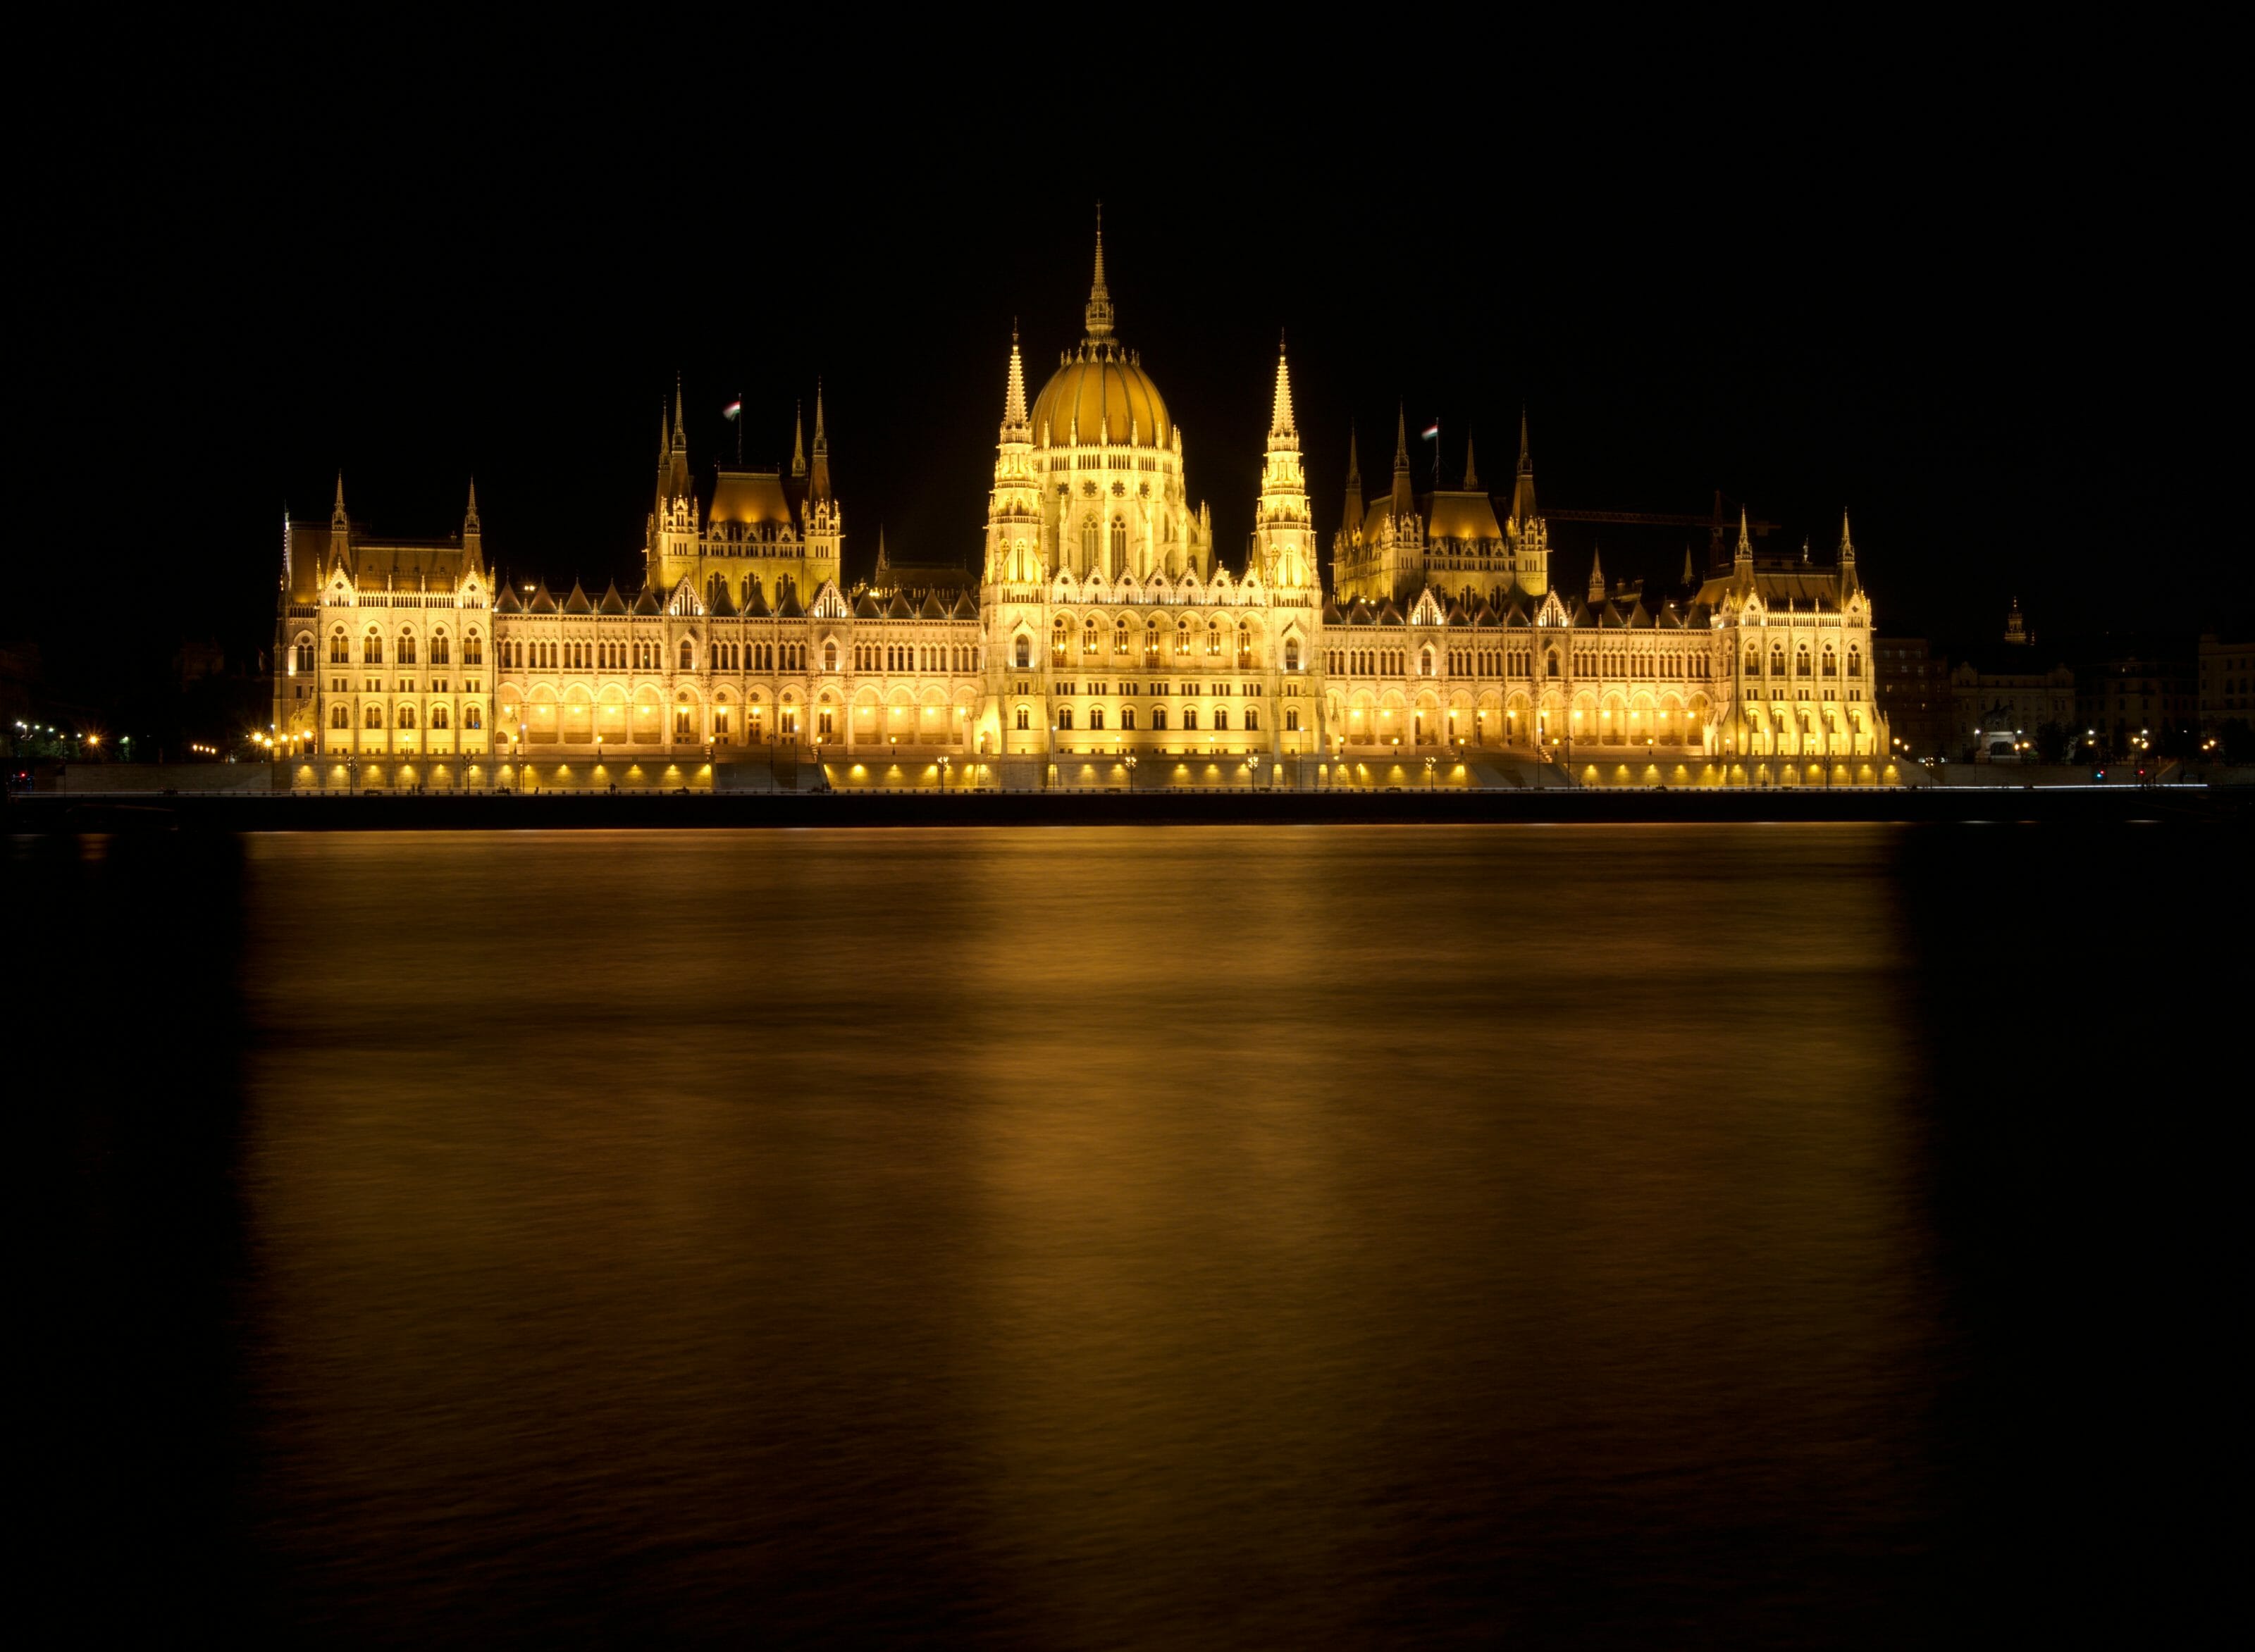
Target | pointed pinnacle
(1353,470)
(1472,469)
(1400,438)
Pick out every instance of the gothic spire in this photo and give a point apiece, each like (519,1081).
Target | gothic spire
(1400,440)
(1472,470)
(1522,489)
(470,522)
(337,518)
(1351,520)
(1597,578)
(818,484)
(1099,312)
(1847,555)
(1744,556)
(1280,419)
(798,439)
(680,426)
(1013,400)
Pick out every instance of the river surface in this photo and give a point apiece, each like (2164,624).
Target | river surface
(1176,1237)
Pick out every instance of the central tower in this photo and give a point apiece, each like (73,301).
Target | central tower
(1110,459)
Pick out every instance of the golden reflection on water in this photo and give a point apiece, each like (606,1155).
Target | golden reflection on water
(1078,1237)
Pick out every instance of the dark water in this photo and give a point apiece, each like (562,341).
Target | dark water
(1630,1235)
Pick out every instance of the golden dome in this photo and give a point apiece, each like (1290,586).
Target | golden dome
(1105,389)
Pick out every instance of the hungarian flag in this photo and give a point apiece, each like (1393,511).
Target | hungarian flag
(1433,431)
(733,408)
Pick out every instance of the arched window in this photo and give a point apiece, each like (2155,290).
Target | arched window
(339,716)
(1159,718)
(340,647)
(1252,719)
(1096,716)
(1855,663)
(1831,662)
(1552,661)
(1291,653)
(407,647)
(437,716)
(441,650)
(1065,718)
(1119,636)
(1213,639)
(1088,543)
(1221,717)
(374,717)
(1088,642)
(371,649)
(1118,544)
(1058,639)
(1025,651)
(1244,643)
(1024,717)
(1777,660)
(406,716)
(1800,663)
(829,656)
(474,649)
(1127,717)
(1151,640)
(686,655)
(1425,664)
(1190,717)
(1183,637)
(471,718)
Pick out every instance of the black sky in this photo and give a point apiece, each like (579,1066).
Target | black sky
(1961,292)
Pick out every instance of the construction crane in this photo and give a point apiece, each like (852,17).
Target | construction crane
(1715,524)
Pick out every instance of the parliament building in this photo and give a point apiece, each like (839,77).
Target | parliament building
(1102,641)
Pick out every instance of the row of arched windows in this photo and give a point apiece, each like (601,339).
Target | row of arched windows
(1802,664)
(372,717)
(1189,718)
(403,651)
(1093,638)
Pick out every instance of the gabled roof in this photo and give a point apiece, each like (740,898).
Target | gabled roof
(898,607)
(721,602)
(865,606)
(756,601)
(508,603)
(1388,614)
(577,602)
(647,603)
(541,602)
(788,608)
(965,608)
(933,608)
(612,602)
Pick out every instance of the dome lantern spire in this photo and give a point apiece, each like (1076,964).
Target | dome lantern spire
(1099,312)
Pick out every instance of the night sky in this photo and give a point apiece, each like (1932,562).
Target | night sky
(1961,297)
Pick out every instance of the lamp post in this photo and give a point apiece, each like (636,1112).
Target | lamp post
(944,764)
(1253,772)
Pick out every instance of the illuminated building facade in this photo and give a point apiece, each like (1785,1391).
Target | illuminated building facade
(1102,642)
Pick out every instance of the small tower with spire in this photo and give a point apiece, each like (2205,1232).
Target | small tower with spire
(822,522)
(1596,592)
(1014,505)
(1849,583)
(1283,532)
(670,546)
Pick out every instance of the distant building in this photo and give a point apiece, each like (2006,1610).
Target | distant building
(2227,688)
(2005,701)
(1913,695)
(2150,695)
